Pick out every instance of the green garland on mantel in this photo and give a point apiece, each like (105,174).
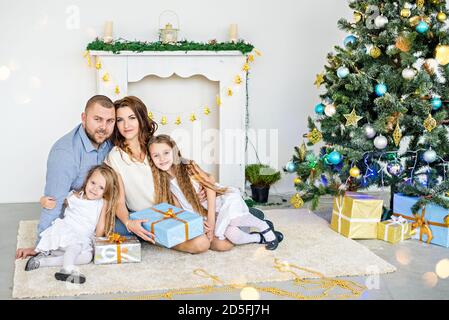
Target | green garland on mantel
(140,46)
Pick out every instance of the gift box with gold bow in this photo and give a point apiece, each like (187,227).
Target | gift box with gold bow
(394,230)
(116,249)
(355,215)
(430,224)
(170,225)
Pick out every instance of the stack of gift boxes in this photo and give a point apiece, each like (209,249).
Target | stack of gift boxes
(170,225)
(358,216)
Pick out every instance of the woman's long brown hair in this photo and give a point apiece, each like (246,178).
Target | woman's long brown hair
(184,170)
(147,127)
(111,193)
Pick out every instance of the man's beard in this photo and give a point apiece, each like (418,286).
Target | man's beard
(91,135)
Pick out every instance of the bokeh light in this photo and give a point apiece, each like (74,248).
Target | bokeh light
(35,82)
(249,293)
(403,256)
(430,279)
(4,73)
(442,269)
(13,65)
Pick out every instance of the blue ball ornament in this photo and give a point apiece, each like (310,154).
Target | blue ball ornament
(395,168)
(290,167)
(319,108)
(349,40)
(436,103)
(342,72)
(334,157)
(422,27)
(380,89)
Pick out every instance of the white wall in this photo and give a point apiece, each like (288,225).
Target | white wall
(44,95)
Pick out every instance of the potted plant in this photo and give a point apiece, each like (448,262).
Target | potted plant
(261,177)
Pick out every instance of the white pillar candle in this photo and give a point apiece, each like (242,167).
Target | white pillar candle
(233,33)
(107,32)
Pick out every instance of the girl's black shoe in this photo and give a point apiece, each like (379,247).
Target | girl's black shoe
(73,277)
(278,234)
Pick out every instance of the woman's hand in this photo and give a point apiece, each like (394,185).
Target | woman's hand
(135,226)
(47,202)
(25,252)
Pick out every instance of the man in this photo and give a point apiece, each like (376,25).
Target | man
(72,156)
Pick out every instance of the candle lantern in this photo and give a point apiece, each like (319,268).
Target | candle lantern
(168,34)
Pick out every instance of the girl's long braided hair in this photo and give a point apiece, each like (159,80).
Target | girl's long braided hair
(184,171)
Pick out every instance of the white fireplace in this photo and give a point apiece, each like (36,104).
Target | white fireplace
(222,66)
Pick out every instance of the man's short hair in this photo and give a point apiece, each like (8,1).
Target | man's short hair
(101,100)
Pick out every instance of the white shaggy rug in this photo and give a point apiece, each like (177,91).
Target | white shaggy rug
(309,242)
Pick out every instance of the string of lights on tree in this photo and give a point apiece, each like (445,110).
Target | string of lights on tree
(383,117)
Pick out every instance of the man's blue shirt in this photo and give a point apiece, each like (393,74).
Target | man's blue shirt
(69,161)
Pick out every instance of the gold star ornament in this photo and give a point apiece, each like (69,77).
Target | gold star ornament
(319,80)
(352,118)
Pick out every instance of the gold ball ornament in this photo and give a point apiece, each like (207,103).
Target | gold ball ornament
(354,172)
(406,12)
(357,16)
(375,52)
(441,16)
(442,54)
(297,181)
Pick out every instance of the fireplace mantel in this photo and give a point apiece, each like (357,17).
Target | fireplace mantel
(221,66)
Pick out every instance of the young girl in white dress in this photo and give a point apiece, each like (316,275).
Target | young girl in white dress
(89,212)
(177,181)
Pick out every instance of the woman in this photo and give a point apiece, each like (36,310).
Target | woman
(129,159)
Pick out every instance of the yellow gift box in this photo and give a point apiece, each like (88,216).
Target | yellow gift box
(355,215)
(395,230)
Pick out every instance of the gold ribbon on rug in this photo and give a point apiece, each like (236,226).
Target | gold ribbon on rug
(327,284)
(169,214)
(117,239)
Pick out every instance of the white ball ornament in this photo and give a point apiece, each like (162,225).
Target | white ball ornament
(430,156)
(408,73)
(369,131)
(431,65)
(330,110)
(380,142)
(380,21)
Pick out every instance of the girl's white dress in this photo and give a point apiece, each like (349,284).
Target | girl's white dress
(227,206)
(77,227)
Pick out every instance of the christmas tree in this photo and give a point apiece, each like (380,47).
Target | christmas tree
(383,115)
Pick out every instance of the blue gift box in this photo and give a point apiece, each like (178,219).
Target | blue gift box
(434,215)
(170,225)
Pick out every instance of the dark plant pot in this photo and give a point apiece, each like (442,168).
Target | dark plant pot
(260,194)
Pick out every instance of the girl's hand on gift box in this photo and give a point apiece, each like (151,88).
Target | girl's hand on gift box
(135,226)
(22,253)
(47,202)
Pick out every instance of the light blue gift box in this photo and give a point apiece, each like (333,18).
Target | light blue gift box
(170,231)
(402,204)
